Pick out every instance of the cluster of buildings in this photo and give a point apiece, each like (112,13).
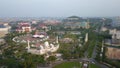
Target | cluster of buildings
(116,22)
(38,43)
(76,22)
(51,22)
(44,27)
(113,43)
(28,26)
(74,25)
(115,35)
(24,27)
(112,50)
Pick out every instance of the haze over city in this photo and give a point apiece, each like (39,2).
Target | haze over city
(59,8)
(59,33)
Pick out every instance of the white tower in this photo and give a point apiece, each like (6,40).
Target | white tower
(86,37)
(57,39)
(87,24)
(28,47)
(101,54)
(102,46)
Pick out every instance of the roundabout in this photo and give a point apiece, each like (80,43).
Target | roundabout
(37,37)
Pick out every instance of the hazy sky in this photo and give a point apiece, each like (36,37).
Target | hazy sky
(59,8)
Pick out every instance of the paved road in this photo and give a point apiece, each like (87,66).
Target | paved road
(99,64)
(94,61)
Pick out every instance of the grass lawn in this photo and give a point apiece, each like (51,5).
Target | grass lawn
(93,66)
(91,48)
(68,65)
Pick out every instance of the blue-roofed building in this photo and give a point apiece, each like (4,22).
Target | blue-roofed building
(2,26)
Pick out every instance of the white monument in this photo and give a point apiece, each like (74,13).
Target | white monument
(86,37)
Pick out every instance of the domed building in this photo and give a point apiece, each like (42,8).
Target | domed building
(38,43)
(43,48)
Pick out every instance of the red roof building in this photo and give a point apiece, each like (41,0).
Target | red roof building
(24,27)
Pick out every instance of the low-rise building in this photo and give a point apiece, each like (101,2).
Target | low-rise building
(115,33)
(24,27)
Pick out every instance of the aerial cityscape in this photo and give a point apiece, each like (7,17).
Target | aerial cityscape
(59,34)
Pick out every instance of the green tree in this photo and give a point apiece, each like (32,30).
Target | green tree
(51,59)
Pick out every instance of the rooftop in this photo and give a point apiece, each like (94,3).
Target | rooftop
(2,26)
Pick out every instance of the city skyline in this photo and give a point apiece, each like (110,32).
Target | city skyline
(59,8)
